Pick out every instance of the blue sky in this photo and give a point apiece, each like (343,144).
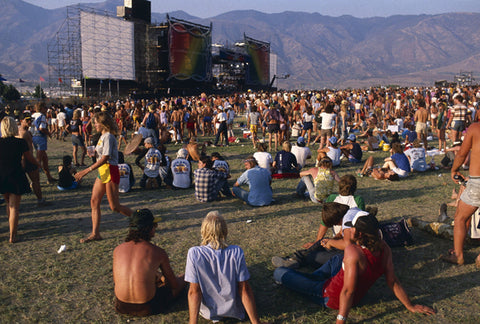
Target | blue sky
(357,8)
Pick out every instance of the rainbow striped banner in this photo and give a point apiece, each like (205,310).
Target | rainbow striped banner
(258,71)
(189,51)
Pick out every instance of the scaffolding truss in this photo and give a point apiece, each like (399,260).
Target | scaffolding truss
(65,68)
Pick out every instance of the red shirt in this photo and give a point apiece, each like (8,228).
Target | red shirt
(334,285)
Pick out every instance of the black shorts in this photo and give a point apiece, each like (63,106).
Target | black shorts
(29,167)
(159,304)
(273,128)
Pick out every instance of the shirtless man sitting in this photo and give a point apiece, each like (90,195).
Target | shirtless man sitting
(140,289)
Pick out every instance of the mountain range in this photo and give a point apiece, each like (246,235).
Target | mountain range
(316,50)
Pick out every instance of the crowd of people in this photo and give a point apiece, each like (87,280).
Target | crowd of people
(402,121)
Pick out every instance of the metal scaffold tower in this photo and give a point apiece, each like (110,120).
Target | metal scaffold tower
(64,54)
(75,53)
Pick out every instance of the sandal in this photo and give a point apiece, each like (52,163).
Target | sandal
(91,238)
(451,258)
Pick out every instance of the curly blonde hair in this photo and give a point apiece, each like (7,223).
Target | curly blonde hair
(214,231)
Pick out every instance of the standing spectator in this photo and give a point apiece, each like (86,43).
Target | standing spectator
(75,128)
(221,118)
(441,125)
(13,181)
(421,117)
(40,134)
(258,180)
(108,178)
(218,276)
(254,121)
(459,118)
(470,198)
(32,170)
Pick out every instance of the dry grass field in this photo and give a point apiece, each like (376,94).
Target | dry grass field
(39,285)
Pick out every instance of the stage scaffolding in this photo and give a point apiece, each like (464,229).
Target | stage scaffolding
(65,69)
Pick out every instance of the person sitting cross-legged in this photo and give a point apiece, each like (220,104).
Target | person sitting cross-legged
(218,276)
(259,182)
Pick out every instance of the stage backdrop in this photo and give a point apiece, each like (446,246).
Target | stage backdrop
(258,70)
(107,47)
(189,51)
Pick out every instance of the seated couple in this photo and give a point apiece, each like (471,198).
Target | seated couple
(342,281)
(395,167)
(216,271)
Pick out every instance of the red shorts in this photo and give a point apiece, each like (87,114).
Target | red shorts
(108,172)
(190,125)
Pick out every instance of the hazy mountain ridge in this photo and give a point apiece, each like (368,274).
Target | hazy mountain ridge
(315,50)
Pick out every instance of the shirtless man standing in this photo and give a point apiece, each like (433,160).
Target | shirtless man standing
(30,169)
(177,122)
(140,289)
(470,198)
(421,117)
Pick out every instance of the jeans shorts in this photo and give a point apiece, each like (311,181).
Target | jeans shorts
(40,143)
(471,194)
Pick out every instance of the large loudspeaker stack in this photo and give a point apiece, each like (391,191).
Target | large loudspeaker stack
(136,9)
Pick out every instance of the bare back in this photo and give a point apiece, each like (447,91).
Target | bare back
(472,143)
(135,268)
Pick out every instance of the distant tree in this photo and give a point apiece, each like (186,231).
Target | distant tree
(39,92)
(10,93)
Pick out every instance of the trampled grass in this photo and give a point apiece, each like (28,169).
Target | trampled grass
(76,286)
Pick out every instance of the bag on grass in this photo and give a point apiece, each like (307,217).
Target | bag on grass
(396,234)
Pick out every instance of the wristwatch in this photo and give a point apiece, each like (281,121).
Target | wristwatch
(341,318)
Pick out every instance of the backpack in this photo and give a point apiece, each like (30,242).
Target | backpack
(397,234)
(151,123)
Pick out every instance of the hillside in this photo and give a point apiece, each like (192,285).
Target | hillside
(316,50)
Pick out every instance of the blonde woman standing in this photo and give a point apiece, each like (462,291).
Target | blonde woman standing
(108,177)
(13,181)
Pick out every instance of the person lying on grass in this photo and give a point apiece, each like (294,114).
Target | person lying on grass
(341,284)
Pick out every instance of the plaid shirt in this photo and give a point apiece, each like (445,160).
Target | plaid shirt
(207,184)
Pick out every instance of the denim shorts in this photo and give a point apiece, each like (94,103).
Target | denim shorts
(471,194)
(40,143)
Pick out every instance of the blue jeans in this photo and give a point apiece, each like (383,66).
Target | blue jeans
(310,285)
(307,188)
(240,193)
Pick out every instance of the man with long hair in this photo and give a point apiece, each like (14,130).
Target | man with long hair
(342,282)
(140,289)
(218,276)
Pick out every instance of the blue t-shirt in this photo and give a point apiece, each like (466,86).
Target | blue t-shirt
(411,135)
(401,161)
(286,162)
(258,180)
(218,273)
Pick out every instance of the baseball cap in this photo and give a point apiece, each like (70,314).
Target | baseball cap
(142,218)
(364,223)
(301,140)
(333,140)
(352,137)
(148,140)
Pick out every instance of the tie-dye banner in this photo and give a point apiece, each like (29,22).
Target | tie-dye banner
(189,51)
(258,70)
